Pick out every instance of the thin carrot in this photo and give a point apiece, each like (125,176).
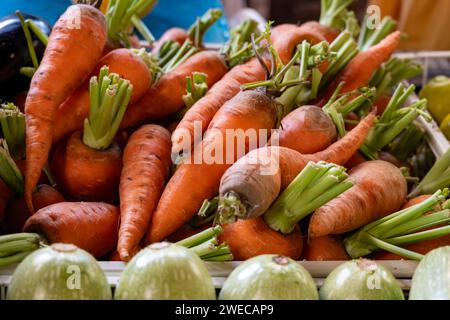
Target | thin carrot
(91,226)
(360,69)
(247,110)
(326,248)
(146,164)
(244,239)
(166,96)
(71,114)
(72,52)
(379,189)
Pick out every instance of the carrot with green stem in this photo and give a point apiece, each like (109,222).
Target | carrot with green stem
(88,166)
(83,45)
(370,36)
(146,164)
(326,248)
(409,225)
(127,64)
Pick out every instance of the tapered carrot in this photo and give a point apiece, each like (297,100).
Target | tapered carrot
(244,239)
(165,97)
(91,226)
(203,111)
(146,164)
(73,50)
(247,110)
(360,69)
(71,114)
(326,248)
(379,189)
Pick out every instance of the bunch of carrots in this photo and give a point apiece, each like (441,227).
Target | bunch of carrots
(105,152)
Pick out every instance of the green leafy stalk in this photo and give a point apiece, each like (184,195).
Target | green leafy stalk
(401,228)
(371,34)
(15,247)
(438,177)
(206,213)
(9,172)
(202,24)
(394,119)
(407,143)
(12,122)
(37,31)
(177,56)
(238,48)
(109,98)
(29,40)
(314,186)
(123,15)
(335,14)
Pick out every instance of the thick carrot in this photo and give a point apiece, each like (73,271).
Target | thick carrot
(244,239)
(251,109)
(285,38)
(360,69)
(327,32)
(16,210)
(72,52)
(71,114)
(379,189)
(178,35)
(91,226)
(166,96)
(307,130)
(201,113)
(85,173)
(326,248)
(256,190)
(146,164)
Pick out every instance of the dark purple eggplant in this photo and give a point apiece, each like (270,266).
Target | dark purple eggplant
(14,53)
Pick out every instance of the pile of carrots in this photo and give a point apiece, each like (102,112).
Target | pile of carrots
(110,133)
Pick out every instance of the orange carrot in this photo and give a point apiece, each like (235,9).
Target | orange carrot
(146,164)
(379,189)
(71,54)
(244,239)
(247,110)
(16,210)
(326,248)
(360,69)
(165,97)
(71,114)
(307,130)
(327,32)
(91,226)
(85,173)
(204,109)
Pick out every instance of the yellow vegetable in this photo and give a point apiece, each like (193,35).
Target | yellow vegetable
(445,126)
(437,92)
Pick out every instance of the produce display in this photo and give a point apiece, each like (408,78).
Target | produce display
(289,143)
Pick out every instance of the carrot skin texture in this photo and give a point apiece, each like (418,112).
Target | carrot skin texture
(72,112)
(252,237)
(70,56)
(222,91)
(379,189)
(146,165)
(307,130)
(91,226)
(360,69)
(88,174)
(326,248)
(165,97)
(192,183)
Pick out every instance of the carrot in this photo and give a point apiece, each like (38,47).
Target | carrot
(326,248)
(75,109)
(16,210)
(327,32)
(244,239)
(88,166)
(253,192)
(91,226)
(72,52)
(204,109)
(247,110)
(381,103)
(356,159)
(307,130)
(379,189)
(165,97)
(178,35)
(146,164)
(360,69)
